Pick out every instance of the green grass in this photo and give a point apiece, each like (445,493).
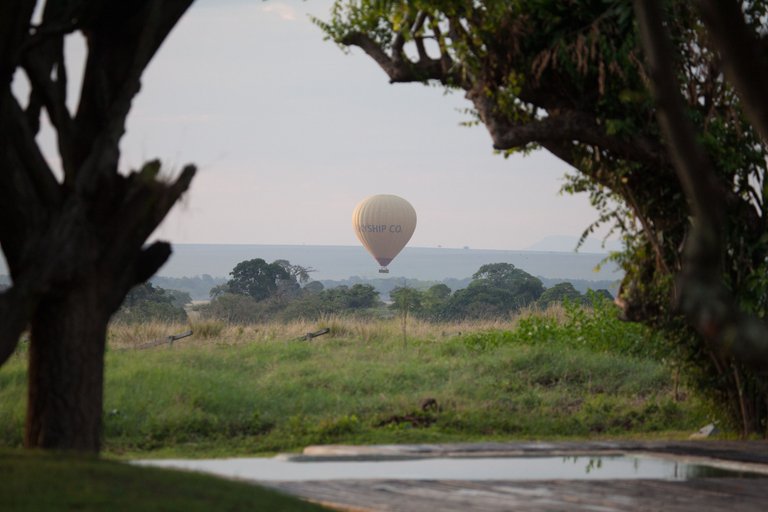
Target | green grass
(276,396)
(32,481)
(546,377)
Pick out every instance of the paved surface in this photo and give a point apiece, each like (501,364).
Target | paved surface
(701,494)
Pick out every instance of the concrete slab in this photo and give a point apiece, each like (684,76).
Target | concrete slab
(701,494)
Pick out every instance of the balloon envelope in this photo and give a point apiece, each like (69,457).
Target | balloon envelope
(384,223)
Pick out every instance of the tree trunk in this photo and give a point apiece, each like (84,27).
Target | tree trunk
(66,371)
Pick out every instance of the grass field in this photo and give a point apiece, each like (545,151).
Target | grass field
(34,482)
(237,390)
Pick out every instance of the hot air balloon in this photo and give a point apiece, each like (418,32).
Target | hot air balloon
(384,223)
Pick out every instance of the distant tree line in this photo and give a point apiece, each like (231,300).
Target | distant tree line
(261,291)
(496,290)
(146,302)
(198,287)
(385,286)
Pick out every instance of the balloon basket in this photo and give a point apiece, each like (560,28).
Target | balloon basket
(383,270)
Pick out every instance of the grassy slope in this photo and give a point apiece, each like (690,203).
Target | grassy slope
(35,482)
(244,392)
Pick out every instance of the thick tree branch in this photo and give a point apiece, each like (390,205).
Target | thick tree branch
(398,43)
(150,260)
(566,125)
(147,201)
(16,303)
(693,167)
(59,19)
(40,65)
(15,311)
(36,169)
(742,57)
(24,191)
(703,297)
(561,149)
(399,71)
(122,38)
(418,39)
(445,57)
(14,16)
(141,263)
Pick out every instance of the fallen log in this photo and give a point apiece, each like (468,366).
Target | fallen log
(168,339)
(310,335)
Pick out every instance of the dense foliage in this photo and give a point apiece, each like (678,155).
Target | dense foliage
(198,287)
(146,303)
(569,77)
(561,292)
(496,291)
(262,292)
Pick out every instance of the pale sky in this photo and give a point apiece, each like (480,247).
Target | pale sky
(289,134)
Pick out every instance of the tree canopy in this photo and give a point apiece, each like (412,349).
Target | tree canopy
(145,303)
(654,145)
(261,291)
(258,279)
(495,291)
(559,293)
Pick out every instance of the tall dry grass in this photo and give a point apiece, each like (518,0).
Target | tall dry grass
(126,336)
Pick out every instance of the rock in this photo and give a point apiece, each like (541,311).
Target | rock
(705,432)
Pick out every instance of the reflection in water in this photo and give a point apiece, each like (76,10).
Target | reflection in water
(489,468)
(661,468)
(593,463)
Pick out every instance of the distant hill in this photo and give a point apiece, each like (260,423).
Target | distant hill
(341,262)
(566,243)
(212,263)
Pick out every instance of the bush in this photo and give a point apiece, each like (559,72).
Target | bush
(145,303)
(597,328)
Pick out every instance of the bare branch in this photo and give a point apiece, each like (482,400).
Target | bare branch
(419,39)
(418,24)
(445,56)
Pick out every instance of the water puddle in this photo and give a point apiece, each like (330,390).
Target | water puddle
(613,467)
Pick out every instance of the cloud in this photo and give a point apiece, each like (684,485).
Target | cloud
(284,12)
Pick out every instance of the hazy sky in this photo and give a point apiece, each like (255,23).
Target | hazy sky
(289,133)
